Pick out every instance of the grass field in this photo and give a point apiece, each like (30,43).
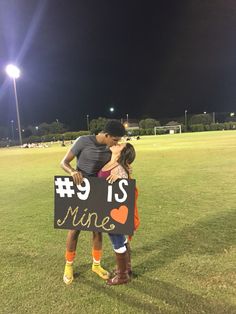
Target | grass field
(184,254)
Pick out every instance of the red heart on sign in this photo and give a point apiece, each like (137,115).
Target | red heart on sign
(120,215)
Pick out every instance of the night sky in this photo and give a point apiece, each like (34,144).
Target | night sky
(145,58)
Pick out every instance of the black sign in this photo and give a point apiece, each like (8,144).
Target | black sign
(94,205)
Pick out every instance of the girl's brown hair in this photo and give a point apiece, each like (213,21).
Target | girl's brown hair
(127,156)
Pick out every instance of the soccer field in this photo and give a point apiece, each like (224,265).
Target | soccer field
(184,253)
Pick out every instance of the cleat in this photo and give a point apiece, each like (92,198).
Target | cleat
(101,272)
(68,273)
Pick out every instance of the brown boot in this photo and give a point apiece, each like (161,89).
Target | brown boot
(129,267)
(121,277)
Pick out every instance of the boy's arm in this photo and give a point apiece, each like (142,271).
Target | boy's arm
(70,155)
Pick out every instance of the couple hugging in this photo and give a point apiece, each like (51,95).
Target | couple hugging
(100,156)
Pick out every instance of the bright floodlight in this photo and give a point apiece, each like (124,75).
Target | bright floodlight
(111,109)
(12,71)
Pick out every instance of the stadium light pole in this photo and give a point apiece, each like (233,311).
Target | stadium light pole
(12,129)
(87,121)
(185,118)
(14,73)
(213,117)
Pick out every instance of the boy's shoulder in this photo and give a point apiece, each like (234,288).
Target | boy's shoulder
(85,139)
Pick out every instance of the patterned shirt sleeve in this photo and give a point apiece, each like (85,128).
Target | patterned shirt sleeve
(120,172)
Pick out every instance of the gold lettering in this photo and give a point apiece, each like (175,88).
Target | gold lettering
(69,211)
(80,222)
(90,219)
(104,222)
(86,223)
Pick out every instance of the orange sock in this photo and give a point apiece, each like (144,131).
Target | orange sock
(70,256)
(97,254)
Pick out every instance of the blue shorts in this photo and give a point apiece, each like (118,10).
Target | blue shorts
(117,240)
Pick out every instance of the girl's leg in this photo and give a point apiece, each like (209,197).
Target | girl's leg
(128,249)
(97,255)
(121,275)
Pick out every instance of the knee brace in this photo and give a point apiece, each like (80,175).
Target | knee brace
(121,250)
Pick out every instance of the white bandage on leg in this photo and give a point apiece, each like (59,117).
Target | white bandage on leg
(120,250)
(126,240)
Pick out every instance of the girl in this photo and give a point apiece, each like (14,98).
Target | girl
(117,168)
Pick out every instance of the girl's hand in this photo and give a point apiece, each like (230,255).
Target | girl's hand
(112,178)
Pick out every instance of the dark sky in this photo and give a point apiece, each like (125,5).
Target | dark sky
(145,58)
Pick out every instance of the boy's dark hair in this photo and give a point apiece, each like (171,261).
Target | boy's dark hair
(114,128)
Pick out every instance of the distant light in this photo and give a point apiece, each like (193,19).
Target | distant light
(204,112)
(232,114)
(112,109)
(13,71)
(37,128)
(126,125)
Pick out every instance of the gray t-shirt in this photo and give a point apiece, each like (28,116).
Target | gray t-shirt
(91,156)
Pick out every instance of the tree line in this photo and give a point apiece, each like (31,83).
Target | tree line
(58,131)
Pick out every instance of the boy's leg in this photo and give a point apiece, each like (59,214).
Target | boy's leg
(71,243)
(97,255)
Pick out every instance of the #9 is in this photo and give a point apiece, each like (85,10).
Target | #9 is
(65,188)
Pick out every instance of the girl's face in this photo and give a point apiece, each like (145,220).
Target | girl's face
(116,149)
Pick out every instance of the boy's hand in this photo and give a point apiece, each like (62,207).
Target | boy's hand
(77,177)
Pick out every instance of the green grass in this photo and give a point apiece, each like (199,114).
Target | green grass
(184,254)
